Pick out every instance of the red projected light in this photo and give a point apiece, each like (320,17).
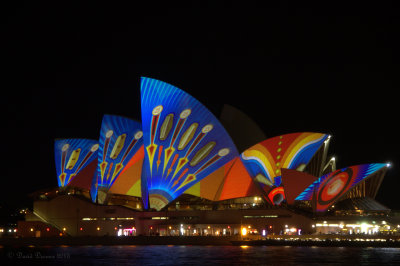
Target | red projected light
(276,196)
(334,186)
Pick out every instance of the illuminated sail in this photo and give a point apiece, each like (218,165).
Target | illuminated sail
(265,160)
(74,159)
(120,140)
(183,142)
(329,188)
(228,182)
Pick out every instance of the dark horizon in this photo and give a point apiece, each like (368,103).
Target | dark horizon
(289,68)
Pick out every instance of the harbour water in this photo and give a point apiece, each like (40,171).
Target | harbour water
(198,255)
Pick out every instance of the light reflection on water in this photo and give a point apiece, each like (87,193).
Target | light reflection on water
(199,255)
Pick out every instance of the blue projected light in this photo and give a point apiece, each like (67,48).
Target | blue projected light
(71,156)
(183,142)
(120,139)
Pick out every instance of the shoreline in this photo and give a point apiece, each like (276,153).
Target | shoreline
(200,240)
(320,243)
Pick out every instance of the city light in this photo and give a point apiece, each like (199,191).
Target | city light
(244,231)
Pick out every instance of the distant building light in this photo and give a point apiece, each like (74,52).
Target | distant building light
(88,219)
(159,218)
(109,218)
(388,165)
(98,228)
(81,229)
(31,230)
(47,229)
(259,216)
(64,229)
(244,231)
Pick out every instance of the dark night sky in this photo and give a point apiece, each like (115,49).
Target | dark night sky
(291,68)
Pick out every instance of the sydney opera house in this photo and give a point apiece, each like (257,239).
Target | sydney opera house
(182,171)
